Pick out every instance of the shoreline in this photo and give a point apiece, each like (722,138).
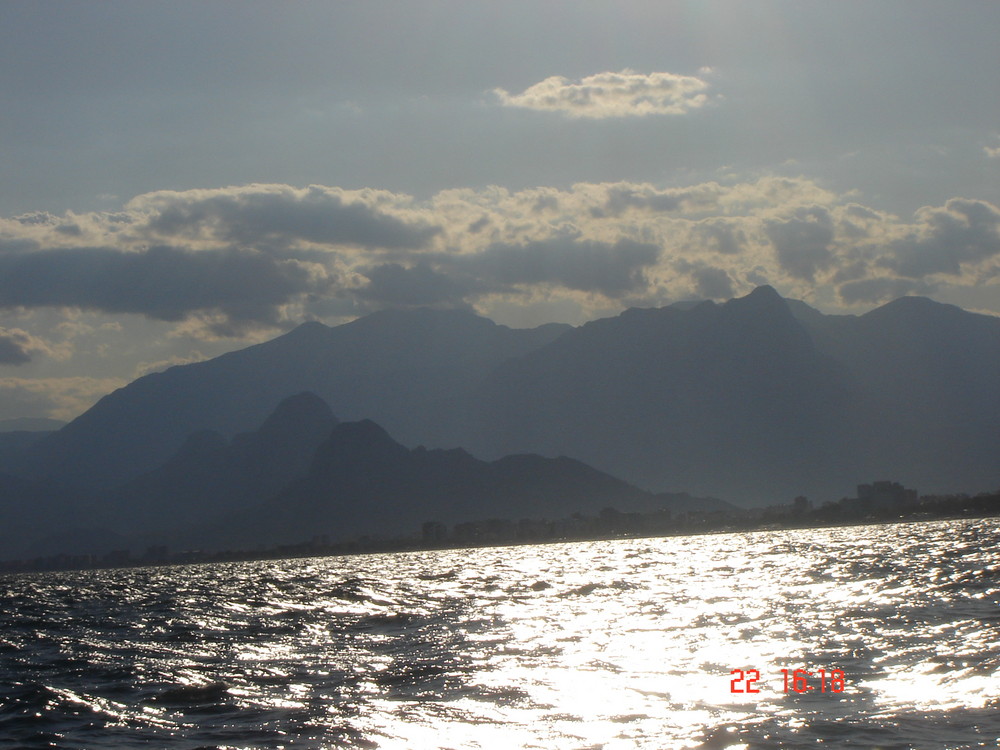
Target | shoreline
(82,563)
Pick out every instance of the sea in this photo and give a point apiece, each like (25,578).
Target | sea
(879,636)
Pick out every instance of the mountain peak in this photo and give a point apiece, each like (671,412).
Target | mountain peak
(304,404)
(913,305)
(308,330)
(764,293)
(763,299)
(312,325)
(359,448)
(362,430)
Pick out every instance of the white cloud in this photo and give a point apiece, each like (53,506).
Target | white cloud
(622,94)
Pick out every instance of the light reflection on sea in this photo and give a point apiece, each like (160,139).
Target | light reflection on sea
(615,644)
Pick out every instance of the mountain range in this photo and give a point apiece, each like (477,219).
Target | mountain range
(756,400)
(301,475)
(414,372)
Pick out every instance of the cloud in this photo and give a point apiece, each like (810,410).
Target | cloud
(946,238)
(621,198)
(145,368)
(803,243)
(991,151)
(611,269)
(720,235)
(163,283)
(622,94)
(237,263)
(713,283)
(17,346)
(394,285)
(12,350)
(58,398)
(268,215)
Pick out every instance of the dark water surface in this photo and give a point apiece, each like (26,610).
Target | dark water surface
(620,644)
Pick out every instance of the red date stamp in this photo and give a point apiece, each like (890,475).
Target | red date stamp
(797,680)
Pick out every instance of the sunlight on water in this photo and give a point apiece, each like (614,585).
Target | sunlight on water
(620,644)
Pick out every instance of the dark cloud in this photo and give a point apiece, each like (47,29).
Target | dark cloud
(855,221)
(963,231)
(611,269)
(802,244)
(713,283)
(709,282)
(395,285)
(268,217)
(35,218)
(621,198)
(12,351)
(478,225)
(851,271)
(721,236)
(164,283)
(545,203)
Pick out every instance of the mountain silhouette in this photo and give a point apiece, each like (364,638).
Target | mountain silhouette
(210,477)
(362,482)
(757,400)
(412,371)
(926,404)
(731,399)
(33,510)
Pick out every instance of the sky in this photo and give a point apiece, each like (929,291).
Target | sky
(180,179)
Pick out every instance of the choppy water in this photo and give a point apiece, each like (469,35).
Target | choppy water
(621,644)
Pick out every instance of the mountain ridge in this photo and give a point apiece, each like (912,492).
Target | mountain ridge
(755,399)
(404,371)
(363,483)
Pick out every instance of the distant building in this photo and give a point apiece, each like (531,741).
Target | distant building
(156,553)
(530,529)
(118,557)
(885,494)
(434,532)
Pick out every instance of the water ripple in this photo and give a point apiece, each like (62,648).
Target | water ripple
(615,644)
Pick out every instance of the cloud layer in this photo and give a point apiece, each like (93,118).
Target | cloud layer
(232,261)
(622,94)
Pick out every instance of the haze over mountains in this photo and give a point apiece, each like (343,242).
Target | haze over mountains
(756,400)
(301,476)
(211,477)
(361,481)
(413,372)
